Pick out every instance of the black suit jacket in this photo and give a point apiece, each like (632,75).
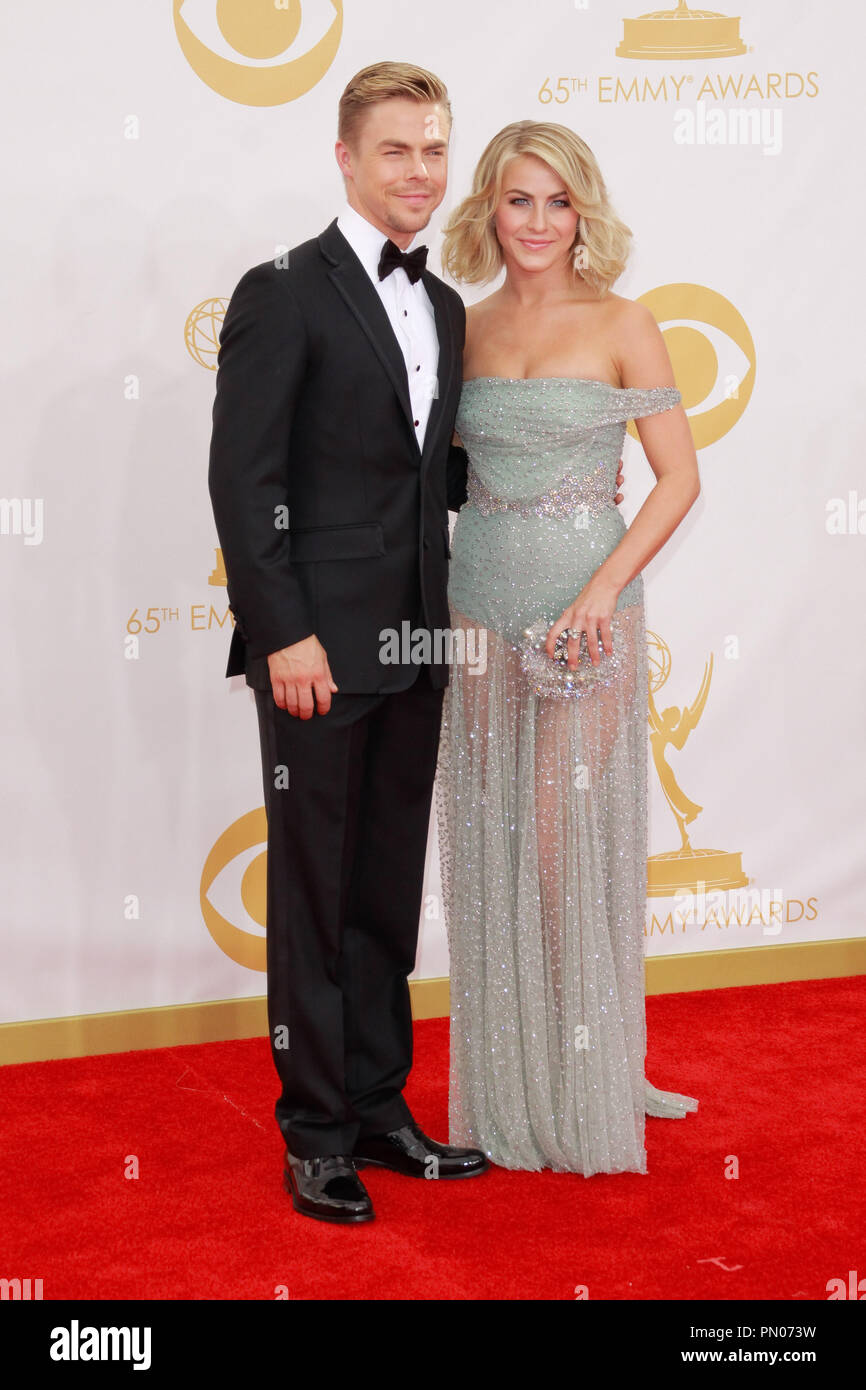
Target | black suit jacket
(331,519)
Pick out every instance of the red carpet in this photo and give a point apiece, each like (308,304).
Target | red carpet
(780,1072)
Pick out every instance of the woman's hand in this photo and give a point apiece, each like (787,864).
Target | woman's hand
(591,612)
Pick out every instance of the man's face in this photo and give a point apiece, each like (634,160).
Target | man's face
(397,169)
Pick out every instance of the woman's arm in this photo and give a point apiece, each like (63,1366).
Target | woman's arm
(668,445)
(667,442)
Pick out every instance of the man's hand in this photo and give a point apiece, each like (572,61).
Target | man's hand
(301,678)
(619,477)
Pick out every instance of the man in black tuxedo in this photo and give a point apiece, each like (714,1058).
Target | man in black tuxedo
(331,476)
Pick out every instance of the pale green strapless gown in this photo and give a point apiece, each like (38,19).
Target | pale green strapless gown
(542,802)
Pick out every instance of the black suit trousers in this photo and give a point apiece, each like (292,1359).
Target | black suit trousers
(348,797)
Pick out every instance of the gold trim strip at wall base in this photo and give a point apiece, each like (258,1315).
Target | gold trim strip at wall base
(221,1020)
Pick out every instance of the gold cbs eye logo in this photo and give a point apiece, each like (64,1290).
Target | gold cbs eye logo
(259,52)
(233,857)
(712,354)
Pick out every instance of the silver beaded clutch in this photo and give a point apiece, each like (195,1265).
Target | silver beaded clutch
(551,675)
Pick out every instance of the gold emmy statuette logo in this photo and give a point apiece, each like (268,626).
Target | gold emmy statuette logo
(242,48)
(685,869)
(201,332)
(218,576)
(241,946)
(712,354)
(681,33)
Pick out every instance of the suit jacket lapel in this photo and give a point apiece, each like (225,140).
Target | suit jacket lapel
(353,283)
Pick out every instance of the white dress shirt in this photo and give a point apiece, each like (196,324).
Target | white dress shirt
(409,311)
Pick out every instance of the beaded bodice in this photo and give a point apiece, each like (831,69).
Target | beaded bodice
(571,494)
(540,515)
(548,446)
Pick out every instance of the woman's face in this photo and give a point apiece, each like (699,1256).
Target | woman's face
(535,221)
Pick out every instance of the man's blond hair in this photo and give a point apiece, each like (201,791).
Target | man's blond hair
(382,82)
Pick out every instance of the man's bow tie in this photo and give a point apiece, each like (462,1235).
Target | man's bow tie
(413,262)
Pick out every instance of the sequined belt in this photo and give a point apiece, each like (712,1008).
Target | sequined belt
(590,493)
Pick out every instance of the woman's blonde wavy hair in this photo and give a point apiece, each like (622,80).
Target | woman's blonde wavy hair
(471,252)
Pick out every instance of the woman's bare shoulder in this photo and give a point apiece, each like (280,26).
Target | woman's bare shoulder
(630,314)
(476,316)
(477,311)
(639,346)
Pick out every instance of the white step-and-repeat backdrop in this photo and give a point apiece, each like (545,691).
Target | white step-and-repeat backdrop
(153,152)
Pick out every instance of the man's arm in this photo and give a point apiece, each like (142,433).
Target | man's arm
(455,482)
(261,365)
(455,474)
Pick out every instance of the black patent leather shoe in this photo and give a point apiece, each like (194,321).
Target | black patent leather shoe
(409,1151)
(327,1188)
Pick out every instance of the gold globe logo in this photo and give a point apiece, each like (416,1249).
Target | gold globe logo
(658,661)
(712,354)
(234,45)
(201,332)
(244,947)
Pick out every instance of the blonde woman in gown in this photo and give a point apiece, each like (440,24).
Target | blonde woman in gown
(542,799)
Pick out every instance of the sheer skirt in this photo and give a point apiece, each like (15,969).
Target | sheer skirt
(542,815)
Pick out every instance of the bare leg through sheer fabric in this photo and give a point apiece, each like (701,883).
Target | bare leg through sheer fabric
(542,828)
